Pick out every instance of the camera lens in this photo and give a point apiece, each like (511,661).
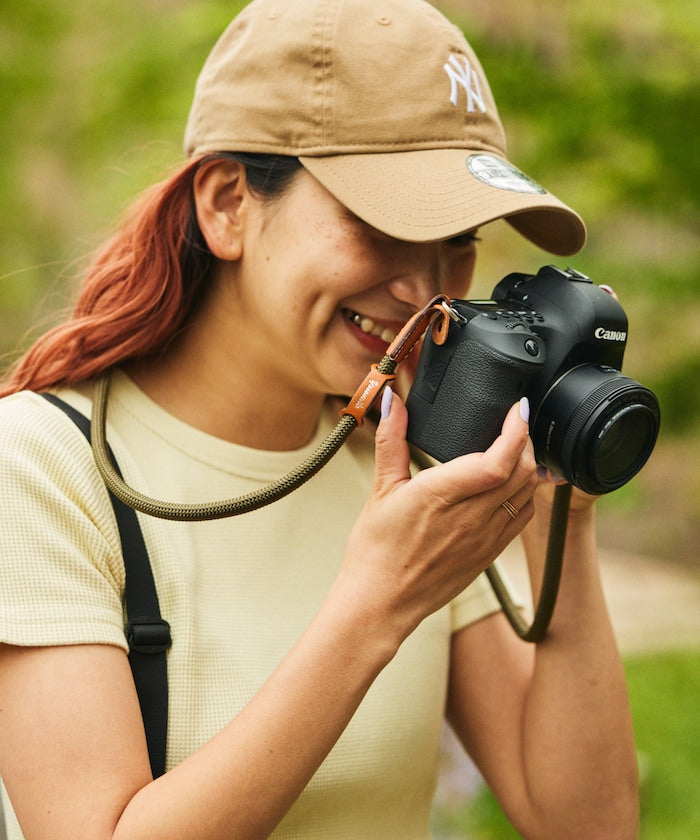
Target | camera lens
(596,428)
(623,438)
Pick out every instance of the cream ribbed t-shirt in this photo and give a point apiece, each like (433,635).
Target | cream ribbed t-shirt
(237,592)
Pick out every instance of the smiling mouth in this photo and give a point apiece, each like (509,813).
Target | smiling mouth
(370,327)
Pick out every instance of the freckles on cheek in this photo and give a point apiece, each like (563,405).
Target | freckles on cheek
(458,277)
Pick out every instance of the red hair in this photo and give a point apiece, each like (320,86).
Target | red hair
(136,295)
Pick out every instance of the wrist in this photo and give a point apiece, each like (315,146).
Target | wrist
(359,615)
(581,505)
(580,525)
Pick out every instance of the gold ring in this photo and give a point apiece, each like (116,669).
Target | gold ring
(510,509)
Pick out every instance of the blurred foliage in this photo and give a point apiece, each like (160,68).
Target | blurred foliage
(95,94)
(600,102)
(664,691)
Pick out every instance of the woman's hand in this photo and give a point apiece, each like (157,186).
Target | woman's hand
(548,482)
(420,541)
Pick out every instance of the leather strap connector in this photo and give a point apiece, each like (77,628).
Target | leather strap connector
(439,310)
(412,331)
(366,394)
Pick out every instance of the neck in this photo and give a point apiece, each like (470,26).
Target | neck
(228,408)
(208,384)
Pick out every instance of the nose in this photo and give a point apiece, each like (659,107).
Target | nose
(416,274)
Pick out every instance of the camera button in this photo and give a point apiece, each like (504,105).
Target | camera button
(532,348)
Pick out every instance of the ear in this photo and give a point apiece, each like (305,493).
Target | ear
(221,198)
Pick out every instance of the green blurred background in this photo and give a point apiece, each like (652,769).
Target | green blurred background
(600,102)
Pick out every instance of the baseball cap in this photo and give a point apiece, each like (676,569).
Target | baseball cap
(386,104)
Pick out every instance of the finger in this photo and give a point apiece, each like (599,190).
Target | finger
(507,449)
(547,475)
(392,458)
(479,472)
(609,290)
(514,436)
(519,505)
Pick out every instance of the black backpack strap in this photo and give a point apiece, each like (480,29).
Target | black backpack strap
(147,633)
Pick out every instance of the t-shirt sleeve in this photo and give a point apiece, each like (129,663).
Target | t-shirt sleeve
(61,570)
(479,600)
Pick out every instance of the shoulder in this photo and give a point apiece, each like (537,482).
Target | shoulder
(44,457)
(34,430)
(27,412)
(62,568)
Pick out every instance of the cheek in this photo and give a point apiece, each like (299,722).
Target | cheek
(458,273)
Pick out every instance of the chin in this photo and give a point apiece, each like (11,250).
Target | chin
(349,379)
(353,360)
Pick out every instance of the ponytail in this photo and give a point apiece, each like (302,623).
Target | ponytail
(135,296)
(142,285)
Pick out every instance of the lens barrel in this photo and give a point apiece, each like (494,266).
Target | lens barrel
(596,428)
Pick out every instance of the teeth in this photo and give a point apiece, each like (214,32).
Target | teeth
(367,325)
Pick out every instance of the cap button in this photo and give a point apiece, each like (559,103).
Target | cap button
(384,20)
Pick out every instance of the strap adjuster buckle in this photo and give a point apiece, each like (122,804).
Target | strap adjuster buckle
(148,635)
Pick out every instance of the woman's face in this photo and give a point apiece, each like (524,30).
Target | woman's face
(319,294)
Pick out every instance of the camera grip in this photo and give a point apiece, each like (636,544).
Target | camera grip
(479,386)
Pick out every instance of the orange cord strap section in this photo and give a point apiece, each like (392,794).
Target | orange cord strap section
(398,350)
(366,394)
(409,336)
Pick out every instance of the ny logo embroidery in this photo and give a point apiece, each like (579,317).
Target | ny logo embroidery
(468,79)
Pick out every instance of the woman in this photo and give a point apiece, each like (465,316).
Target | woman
(342,154)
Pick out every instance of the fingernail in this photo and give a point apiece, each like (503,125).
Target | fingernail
(387,397)
(525,409)
(543,472)
(608,289)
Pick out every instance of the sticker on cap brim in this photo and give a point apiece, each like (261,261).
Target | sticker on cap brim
(502,175)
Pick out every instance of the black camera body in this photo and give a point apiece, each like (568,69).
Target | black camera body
(558,339)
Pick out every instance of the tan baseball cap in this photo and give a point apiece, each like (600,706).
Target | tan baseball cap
(386,104)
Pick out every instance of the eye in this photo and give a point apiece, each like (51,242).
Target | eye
(464,240)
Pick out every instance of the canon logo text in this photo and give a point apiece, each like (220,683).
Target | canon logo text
(610,335)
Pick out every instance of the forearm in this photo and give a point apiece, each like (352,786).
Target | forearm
(417,544)
(578,746)
(248,776)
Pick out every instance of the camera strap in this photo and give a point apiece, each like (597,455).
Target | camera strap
(351,417)
(440,313)
(147,633)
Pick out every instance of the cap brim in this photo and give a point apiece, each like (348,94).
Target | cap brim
(432,194)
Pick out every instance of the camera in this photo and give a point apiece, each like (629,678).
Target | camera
(558,339)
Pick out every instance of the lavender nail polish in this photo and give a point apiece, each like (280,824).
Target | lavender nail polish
(525,409)
(387,398)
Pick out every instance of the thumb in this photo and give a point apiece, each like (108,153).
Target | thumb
(392,457)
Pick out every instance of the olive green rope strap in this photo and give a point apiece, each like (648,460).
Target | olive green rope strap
(352,416)
(552,567)
(550,577)
(211,510)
